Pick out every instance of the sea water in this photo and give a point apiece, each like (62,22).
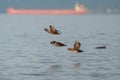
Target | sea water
(26,52)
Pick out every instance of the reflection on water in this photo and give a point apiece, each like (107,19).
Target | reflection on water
(26,54)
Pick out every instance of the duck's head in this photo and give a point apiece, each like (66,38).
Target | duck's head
(52,42)
(51,26)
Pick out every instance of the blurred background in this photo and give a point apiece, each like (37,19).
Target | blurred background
(94,6)
(26,52)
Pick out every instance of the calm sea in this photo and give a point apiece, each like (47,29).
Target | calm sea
(26,52)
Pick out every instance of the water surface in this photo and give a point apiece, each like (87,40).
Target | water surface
(26,54)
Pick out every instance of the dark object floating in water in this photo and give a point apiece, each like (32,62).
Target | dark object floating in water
(52,30)
(59,44)
(76,48)
(101,47)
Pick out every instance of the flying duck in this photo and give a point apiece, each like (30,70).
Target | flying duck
(59,44)
(52,30)
(76,48)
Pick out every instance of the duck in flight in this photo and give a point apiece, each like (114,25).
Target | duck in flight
(76,48)
(52,30)
(59,44)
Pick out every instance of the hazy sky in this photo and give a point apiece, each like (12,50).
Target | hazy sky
(58,4)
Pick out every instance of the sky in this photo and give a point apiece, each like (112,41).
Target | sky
(92,5)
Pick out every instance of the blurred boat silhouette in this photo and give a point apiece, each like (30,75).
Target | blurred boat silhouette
(79,9)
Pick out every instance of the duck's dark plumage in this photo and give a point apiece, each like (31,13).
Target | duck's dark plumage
(101,47)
